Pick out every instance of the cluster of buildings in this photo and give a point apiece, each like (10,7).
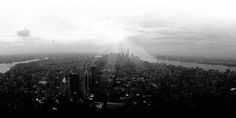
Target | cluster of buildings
(79,85)
(88,86)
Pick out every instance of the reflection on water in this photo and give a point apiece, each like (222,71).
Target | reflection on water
(4,67)
(203,66)
(191,64)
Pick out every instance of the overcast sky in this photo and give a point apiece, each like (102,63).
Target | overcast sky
(180,27)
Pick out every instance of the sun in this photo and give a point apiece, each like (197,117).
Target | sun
(113,36)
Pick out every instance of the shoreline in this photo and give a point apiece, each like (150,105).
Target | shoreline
(8,66)
(188,64)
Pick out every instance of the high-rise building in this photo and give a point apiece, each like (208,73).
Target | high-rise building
(79,86)
(93,78)
(127,54)
(74,83)
(64,87)
(82,87)
(87,79)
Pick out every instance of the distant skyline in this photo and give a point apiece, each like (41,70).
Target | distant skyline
(172,27)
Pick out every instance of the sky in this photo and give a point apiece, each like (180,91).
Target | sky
(146,27)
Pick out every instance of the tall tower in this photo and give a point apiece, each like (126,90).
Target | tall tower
(63,86)
(74,83)
(127,52)
(82,87)
(93,78)
(85,90)
(87,79)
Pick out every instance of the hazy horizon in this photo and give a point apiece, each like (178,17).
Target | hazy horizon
(146,27)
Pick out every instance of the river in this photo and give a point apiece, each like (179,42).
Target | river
(4,67)
(221,68)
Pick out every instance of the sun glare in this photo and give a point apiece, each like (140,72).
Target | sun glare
(113,35)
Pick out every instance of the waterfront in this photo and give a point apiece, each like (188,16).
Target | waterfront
(4,67)
(221,68)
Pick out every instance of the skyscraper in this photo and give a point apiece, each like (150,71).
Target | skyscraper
(82,87)
(74,83)
(64,86)
(93,79)
(87,79)
(79,85)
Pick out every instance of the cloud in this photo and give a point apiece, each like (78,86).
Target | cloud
(24,33)
(168,36)
(179,33)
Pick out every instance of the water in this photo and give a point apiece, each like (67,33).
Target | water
(221,68)
(4,67)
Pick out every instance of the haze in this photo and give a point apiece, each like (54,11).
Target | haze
(146,27)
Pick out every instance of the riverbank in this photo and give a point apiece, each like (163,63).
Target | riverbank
(221,68)
(4,67)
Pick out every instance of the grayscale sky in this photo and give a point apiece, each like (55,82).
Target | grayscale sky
(176,27)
